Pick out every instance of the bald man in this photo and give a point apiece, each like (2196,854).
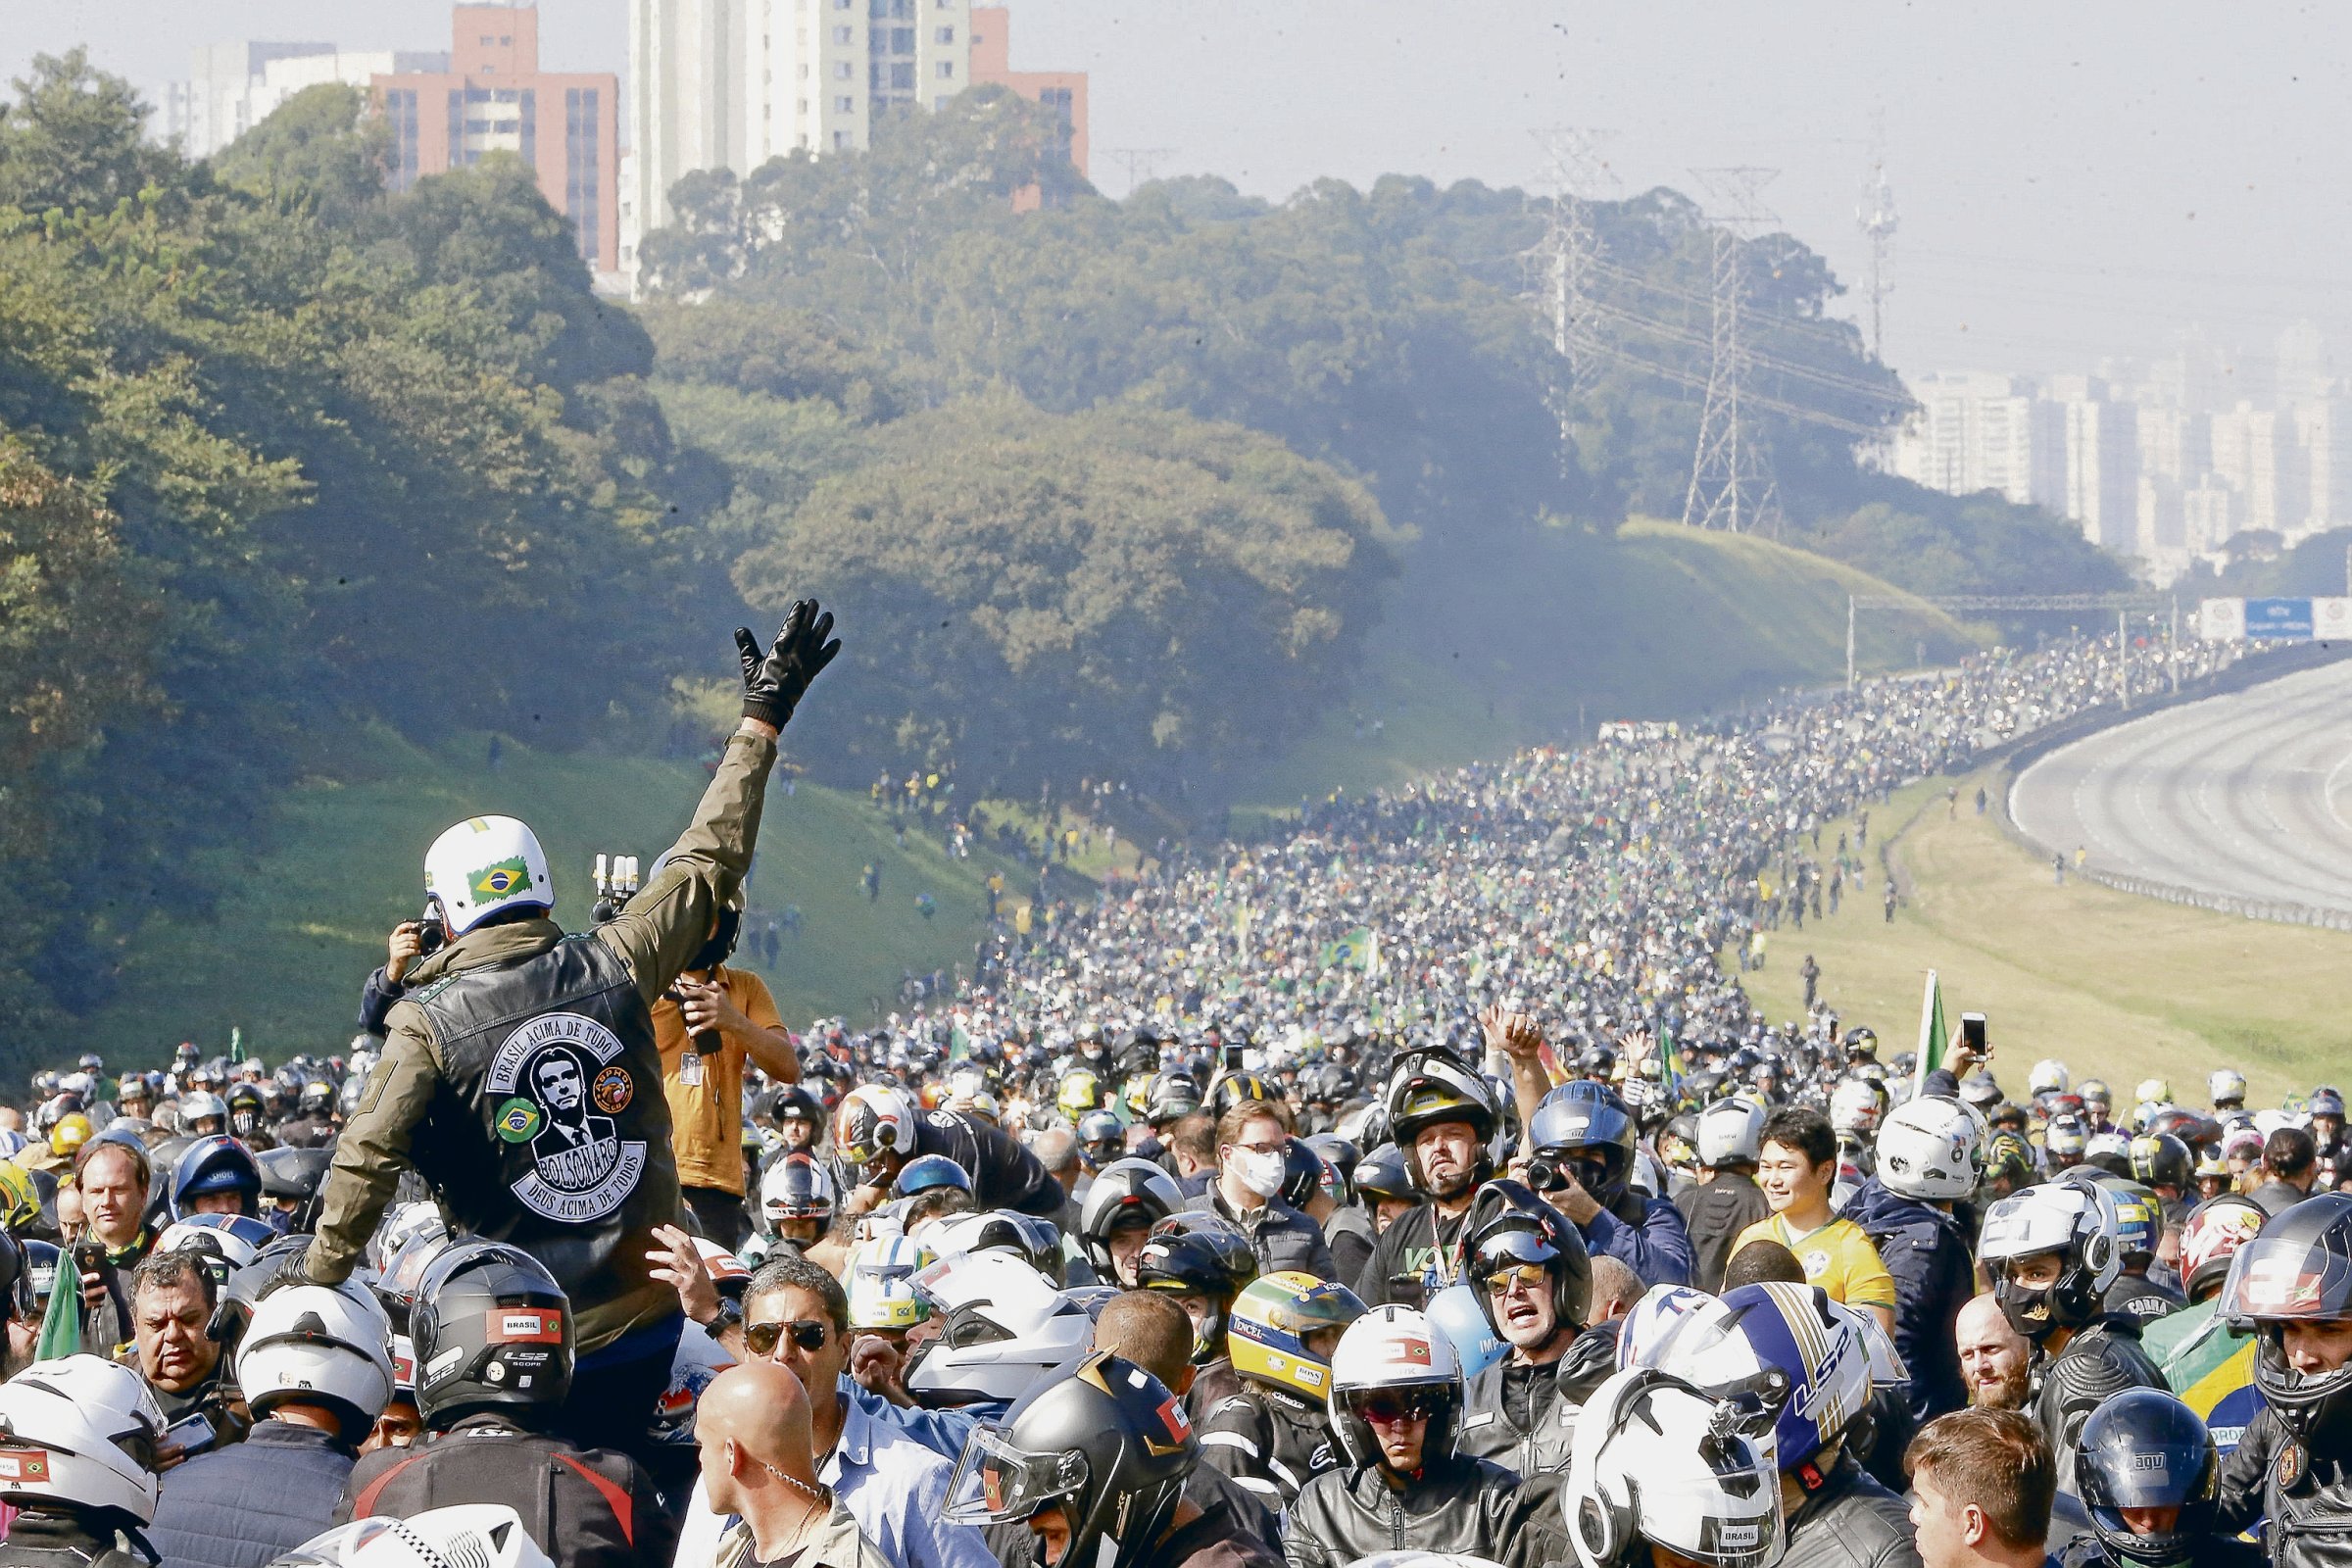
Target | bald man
(1995,1358)
(759,1464)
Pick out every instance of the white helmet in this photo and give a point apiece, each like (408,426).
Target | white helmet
(483,865)
(327,1343)
(1394,1348)
(1655,1461)
(882,1289)
(81,1431)
(1007,1331)
(232,1240)
(1653,1319)
(873,1120)
(1731,1131)
(1856,1105)
(1932,1149)
(471,1535)
(2227,1086)
(2048,1077)
(197,1105)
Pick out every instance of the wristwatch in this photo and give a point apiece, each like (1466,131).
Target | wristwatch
(728,1315)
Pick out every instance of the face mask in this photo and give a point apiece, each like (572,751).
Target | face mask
(1261,1172)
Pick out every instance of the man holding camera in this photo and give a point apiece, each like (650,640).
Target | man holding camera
(706,1026)
(521,1076)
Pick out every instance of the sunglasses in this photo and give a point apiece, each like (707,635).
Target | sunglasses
(1386,1409)
(807,1333)
(1532,1275)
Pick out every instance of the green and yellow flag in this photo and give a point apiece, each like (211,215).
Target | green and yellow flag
(1354,950)
(61,1326)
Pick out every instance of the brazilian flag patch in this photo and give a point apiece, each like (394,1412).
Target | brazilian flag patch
(518,1120)
(501,881)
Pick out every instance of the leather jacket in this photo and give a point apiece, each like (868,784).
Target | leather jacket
(1850,1521)
(2305,1498)
(1464,1505)
(1524,1418)
(2101,1360)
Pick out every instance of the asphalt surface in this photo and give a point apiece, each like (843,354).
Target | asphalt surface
(2248,794)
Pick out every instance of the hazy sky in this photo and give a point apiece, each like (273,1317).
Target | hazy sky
(2075,180)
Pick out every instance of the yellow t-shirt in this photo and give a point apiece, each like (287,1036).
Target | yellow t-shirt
(705,1118)
(1839,1257)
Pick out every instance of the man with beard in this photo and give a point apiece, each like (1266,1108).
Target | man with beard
(1995,1360)
(1441,1116)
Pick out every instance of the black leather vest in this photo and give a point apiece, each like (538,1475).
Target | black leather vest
(550,1128)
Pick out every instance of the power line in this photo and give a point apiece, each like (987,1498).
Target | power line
(1566,262)
(1730,478)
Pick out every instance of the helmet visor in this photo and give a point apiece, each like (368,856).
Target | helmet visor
(995,1483)
(2277,1278)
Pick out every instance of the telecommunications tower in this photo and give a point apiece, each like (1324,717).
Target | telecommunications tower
(1730,475)
(1876,218)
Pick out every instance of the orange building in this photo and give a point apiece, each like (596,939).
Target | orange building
(1061,90)
(495,98)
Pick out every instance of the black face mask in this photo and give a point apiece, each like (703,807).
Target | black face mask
(722,946)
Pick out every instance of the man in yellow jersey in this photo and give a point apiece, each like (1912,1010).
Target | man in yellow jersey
(1798,1168)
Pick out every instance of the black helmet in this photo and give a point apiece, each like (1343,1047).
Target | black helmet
(2143,1448)
(1432,1085)
(1342,1157)
(1303,1173)
(318,1098)
(1196,1253)
(2159,1160)
(1525,1229)
(508,1320)
(1582,1127)
(1108,1444)
(1382,1174)
(1172,1096)
(1123,1192)
(1235,1087)
(293,1177)
(2298,1269)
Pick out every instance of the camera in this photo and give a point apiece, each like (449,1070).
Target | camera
(433,931)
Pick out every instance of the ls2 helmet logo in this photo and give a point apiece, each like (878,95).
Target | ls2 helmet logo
(565,1089)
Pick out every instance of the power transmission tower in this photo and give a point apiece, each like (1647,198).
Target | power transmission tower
(1876,218)
(1141,162)
(1730,477)
(1566,262)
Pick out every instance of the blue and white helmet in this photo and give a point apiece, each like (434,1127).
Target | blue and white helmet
(1787,1347)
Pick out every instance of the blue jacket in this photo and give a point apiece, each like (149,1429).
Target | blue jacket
(244,1505)
(1649,1239)
(1928,1253)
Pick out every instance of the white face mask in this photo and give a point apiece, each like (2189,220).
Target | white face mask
(1260,1172)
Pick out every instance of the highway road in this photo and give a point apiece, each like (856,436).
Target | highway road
(2248,794)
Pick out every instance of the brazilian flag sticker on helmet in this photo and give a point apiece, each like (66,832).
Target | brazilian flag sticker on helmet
(501,881)
(518,1120)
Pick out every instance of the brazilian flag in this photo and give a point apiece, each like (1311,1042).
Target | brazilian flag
(1351,951)
(501,881)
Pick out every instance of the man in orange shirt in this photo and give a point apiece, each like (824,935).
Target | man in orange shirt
(706,1026)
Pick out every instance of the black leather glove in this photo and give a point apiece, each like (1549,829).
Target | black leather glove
(774,680)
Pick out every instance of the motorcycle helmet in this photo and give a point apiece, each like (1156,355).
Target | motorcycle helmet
(216,1164)
(1528,1233)
(80,1434)
(473,1535)
(1583,1128)
(1004,1331)
(1101,1139)
(2160,1159)
(1731,1132)
(2212,1235)
(1035,1242)
(1108,1446)
(1391,1357)
(1427,1088)
(2227,1087)
(2048,1077)
(1856,1105)
(483,866)
(1234,1088)
(1125,1194)
(1080,1091)
(1799,1360)
(2144,1449)
(492,1330)
(874,1120)
(1932,1149)
(2077,1222)
(796,1188)
(881,1287)
(319,1344)
(2298,1269)
(1172,1096)
(1196,1253)
(1652,1320)
(1283,1329)
(1656,1462)
(1382,1174)
(228,1242)
(292,1182)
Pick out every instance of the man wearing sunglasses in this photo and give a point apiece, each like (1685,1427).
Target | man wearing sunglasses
(1535,1285)
(797,1316)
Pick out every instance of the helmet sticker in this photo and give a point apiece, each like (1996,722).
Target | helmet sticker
(501,881)
(23,1464)
(523,1325)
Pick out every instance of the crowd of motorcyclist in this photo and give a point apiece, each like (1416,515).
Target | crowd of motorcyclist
(1183,1239)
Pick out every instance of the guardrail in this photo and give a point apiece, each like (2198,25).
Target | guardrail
(2285,914)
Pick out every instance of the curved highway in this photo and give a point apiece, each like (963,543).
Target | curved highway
(2248,794)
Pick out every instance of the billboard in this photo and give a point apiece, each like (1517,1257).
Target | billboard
(2232,620)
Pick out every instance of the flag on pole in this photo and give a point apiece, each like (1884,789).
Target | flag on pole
(1933,1044)
(61,1325)
(1354,950)
(1670,1057)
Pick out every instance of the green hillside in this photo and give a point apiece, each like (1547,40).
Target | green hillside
(1659,621)
(285,955)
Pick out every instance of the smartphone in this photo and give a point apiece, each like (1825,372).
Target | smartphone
(1233,1056)
(194,1434)
(1972,1035)
(88,1258)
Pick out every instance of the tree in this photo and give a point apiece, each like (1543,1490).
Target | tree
(70,138)
(1127,592)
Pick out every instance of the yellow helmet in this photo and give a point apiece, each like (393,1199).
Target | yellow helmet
(1081,1091)
(882,1293)
(20,1200)
(1268,1331)
(72,1130)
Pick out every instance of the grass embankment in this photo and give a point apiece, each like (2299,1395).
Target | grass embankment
(306,921)
(2117,987)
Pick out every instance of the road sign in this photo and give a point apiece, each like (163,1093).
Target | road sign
(2297,621)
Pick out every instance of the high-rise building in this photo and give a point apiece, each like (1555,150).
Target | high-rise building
(233,87)
(2094,478)
(732,84)
(1972,433)
(491,96)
